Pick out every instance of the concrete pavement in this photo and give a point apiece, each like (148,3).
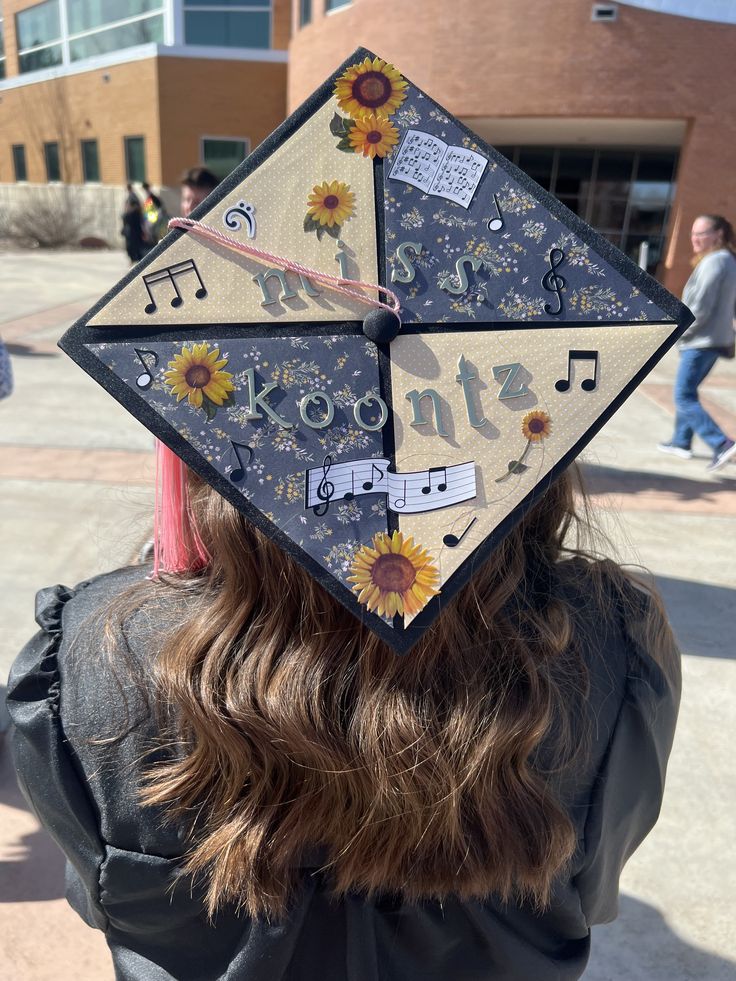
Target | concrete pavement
(75,477)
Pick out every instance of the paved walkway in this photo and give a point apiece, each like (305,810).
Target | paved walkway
(75,478)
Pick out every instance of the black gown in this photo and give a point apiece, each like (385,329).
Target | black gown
(122,859)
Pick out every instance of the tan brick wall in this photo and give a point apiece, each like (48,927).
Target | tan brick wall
(281,24)
(519,58)
(83,106)
(215,98)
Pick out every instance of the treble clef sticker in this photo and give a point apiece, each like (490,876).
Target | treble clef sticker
(232,218)
(552,282)
(325,489)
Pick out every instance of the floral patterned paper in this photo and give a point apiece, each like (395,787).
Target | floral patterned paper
(508,286)
(345,367)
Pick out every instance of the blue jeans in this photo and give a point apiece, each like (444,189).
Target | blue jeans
(690,416)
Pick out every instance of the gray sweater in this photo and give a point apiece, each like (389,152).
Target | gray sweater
(711,295)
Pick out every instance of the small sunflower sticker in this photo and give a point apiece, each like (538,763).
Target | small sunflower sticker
(197,375)
(536,426)
(372,86)
(330,205)
(394,575)
(373,136)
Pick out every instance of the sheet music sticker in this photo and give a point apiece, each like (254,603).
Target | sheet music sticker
(388,467)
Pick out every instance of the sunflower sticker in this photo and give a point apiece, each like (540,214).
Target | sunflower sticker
(329,206)
(371,86)
(535,426)
(197,375)
(371,135)
(394,576)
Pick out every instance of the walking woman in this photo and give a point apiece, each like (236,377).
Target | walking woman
(710,292)
(249,784)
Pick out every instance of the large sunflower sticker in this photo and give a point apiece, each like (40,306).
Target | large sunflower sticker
(394,576)
(197,375)
(330,205)
(372,86)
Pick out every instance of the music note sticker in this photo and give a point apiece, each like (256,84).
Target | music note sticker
(145,379)
(325,489)
(452,541)
(552,282)
(397,502)
(441,486)
(170,275)
(496,224)
(368,484)
(246,212)
(587,384)
(238,474)
(410,493)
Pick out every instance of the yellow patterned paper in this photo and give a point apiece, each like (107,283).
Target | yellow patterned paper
(216,284)
(554,420)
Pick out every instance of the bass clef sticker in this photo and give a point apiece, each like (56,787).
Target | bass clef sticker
(241,213)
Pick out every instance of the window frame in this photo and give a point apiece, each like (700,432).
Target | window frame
(57,42)
(112,25)
(47,145)
(221,139)
(96,143)
(131,178)
(22,148)
(2,45)
(191,6)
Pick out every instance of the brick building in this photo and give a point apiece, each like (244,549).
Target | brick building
(96,93)
(623,110)
(627,114)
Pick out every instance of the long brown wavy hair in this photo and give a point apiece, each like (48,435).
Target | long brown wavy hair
(301,734)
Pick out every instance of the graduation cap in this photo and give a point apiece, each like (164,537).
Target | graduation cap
(387,454)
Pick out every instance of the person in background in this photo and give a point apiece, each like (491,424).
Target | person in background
(133,230)
(196,184)
(157,219)
(710,292)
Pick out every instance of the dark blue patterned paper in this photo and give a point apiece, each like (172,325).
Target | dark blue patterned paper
(515,259)
(345,367)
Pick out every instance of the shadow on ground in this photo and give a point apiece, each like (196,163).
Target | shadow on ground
(26,351)
(610,480)
(641,946)
(701,616)
(31,863)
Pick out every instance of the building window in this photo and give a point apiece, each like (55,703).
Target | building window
(222,154)
(229,24)
(53,166)
(624,194)
(2,45)
(38,33)
(305,12)
(87,15)
(99,26)
(135,158)
(336,4)
(90,162)
(19,162)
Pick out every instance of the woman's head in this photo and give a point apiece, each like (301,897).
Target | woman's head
(413,774)
(709,233)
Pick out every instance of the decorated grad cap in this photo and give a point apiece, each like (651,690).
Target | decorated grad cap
(388,458)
